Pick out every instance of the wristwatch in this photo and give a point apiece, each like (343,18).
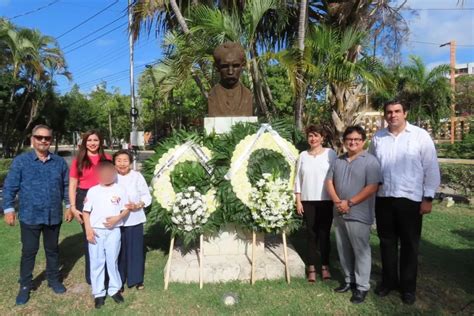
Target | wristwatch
(428,198)
(350,203)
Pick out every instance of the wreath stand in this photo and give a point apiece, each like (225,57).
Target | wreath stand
(170,255)
(285,256)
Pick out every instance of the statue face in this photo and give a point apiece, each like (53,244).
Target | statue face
(230,68)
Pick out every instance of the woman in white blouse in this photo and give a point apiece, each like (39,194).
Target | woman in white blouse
(312,200)
(132,252)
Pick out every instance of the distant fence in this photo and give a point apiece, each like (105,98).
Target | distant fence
(373,121)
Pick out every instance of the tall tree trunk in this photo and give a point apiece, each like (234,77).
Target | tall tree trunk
(184,26)
(300,84)
(179,16)
(29,125)
(257,84)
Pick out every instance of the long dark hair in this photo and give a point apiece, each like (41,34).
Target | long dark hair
(83,160)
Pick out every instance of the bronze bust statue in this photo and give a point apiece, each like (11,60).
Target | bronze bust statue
(230,97)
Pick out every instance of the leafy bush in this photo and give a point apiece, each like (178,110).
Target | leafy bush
(458,177)
(4,166)
(461,150)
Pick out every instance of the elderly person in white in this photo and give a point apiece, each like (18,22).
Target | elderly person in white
(312,200)
(411,175)
(132,256)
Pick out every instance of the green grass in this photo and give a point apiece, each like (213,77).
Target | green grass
(445,286)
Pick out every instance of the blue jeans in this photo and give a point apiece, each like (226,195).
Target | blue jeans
(30,236)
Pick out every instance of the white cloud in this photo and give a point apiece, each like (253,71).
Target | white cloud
(439,26)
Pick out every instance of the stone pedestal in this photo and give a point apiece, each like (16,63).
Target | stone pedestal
(221,125)
(227,257)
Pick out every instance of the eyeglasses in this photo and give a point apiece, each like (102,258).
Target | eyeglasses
(43,138)
(355,140)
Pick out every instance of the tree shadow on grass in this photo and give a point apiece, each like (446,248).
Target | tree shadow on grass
(445,281)
(70,251)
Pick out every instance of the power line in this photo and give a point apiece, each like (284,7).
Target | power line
(95,38)
(86,20)
(114,74)
(438,44)
(93,32)
(35,10)
(108,59)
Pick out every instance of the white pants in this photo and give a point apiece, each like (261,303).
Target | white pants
(105,252)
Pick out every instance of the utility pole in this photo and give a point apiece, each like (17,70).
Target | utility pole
(452,57)
(133,109)
(149,68)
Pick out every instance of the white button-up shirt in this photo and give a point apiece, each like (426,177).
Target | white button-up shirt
(137,191)
(409,163)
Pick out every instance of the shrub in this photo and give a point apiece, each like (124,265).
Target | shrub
(458,177)
(461,150)
(4,166)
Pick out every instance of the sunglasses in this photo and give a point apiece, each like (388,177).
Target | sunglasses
(43,138)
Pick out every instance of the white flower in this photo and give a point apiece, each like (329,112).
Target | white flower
(191,189)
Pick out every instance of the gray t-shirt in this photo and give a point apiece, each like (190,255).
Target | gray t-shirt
(350,178)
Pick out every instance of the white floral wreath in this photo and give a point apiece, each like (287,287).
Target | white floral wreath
(240,182)
(163,189)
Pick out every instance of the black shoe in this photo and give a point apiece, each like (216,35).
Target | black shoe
(99,302)
(344,288)
(382,290)
(118,298)
(358,296)
(23,295)
(408,298)
(57,287)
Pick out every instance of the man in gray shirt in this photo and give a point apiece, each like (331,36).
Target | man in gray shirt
(352,183)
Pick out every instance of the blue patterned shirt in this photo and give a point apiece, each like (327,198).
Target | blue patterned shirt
(41,188)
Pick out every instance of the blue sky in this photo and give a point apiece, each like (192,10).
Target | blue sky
(106,58)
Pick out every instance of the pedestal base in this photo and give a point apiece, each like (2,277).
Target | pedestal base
(221,125)
(229,259)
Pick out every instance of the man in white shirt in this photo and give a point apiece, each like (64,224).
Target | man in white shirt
(411,175)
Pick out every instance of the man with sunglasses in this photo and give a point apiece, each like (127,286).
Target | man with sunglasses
(411,176)
(41,180)
(352,182)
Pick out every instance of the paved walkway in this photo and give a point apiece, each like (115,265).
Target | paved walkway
(457,161)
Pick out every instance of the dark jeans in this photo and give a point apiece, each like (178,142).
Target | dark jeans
(80,197)
(318,217)
(399,221)
(30,237)
(132,255)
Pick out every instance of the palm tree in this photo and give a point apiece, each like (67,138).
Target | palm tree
(426,92)
(332,58)
(259,25)
(300,84)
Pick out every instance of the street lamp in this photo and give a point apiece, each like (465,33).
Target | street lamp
(452,55)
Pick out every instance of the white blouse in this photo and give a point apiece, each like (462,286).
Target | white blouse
(311,174)
(137,191)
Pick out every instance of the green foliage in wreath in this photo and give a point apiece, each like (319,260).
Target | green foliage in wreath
(267,161)
(184,175)
(261,161)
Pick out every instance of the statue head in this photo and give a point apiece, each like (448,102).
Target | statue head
(229,59)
